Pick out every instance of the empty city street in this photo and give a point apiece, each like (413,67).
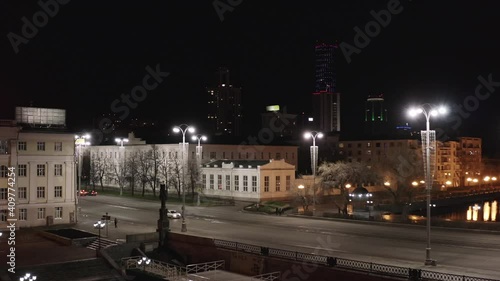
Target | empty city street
(456,251)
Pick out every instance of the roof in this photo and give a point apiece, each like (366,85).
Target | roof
(237,163)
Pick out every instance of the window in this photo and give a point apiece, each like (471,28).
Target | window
(359,145)
(223,155)
(278,155)
(211,181)
(21,146)
(266,184)
(293,155)
(368,144)
(254,183)
(23,214)
(58,170)
(288,183)
(239,155)
(58,213)
(286,155)
(3,171)
(3,215)
(213,155)
(219,181)
(40,170)
(228,182)
(40,192)
(22,193)
(3,193)
(377,144)
(204,180)
(21,170)
(57,191)
(236,183)
(40,213)
(245,183)
(58,146)
(278,183)
(40,146)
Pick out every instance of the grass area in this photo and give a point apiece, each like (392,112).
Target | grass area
(268,207)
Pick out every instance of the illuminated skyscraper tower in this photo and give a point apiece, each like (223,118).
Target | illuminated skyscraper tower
(326,99)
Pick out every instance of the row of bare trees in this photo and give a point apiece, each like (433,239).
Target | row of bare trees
(399,168)
(143,170)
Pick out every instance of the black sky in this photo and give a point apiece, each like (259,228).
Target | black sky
(91,52)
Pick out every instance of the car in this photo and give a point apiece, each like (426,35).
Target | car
(84,192)
(173,214)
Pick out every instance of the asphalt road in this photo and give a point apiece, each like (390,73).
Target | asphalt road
(462,252)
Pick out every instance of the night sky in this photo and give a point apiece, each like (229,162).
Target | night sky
(89,53)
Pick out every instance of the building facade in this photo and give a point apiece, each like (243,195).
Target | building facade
(376,116)
(224,106)
(248,180)
(44,165)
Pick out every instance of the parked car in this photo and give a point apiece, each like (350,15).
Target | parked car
(84,192)
(173,214)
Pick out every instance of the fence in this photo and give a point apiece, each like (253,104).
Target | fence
(374,268)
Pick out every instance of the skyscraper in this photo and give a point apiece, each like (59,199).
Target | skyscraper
(375,116)
(224,106)
(326,99)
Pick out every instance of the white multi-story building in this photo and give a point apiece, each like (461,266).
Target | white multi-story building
(43,161)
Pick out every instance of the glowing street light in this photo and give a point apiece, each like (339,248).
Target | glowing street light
(199,153)
(28,277)
(428,110)
(99,225)
(144,261)
(80,141)
(414,183)
(314,161)
(120,141)
(183,128)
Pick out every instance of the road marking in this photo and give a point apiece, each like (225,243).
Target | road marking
(123,207)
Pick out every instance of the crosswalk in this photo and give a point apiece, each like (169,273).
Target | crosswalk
(104,244)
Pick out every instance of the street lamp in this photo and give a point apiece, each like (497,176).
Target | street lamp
(314,161)
(301,187)
(428,110)
(183,128)
(99,225)
(199,153)
(80,141)
(120,141)
(144,261)
(28,277)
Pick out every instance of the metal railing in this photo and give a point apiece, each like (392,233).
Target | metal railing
(374,268)
(207,266)
(163,269)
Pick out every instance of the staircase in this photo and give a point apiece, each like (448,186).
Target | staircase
(104,244)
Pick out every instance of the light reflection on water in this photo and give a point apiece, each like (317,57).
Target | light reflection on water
(487,211)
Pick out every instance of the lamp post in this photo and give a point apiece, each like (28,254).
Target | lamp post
(99,225)
(314,161)
(199,153)
(120,141)
(28,277)
(183,128)
(144,261)
(301,187)
(428,110)
(80,140)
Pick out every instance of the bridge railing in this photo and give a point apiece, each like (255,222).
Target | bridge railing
(361,266)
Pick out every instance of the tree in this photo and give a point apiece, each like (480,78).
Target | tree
(399,169)
(144,168)
(340,173)
(133,168)
(98,168)
(120,173)
(155,162)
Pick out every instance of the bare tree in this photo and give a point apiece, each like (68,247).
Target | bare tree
(338,174)
(144,169)
(98,168)
(175,175)
(120,173)
(133,168)
(194,174)
(399,169)
(155,162)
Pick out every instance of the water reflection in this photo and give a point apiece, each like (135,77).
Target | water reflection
(473,212)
